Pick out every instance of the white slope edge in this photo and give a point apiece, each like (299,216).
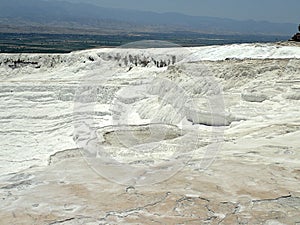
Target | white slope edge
(218,52)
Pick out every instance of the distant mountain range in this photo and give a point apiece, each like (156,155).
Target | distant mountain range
(66,17)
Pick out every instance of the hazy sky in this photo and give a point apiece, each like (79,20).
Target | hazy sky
(271,10)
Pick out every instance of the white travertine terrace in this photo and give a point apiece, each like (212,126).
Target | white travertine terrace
(253,179)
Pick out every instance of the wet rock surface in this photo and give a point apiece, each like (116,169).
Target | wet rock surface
(232,191)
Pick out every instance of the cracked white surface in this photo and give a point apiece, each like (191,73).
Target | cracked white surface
(254,179)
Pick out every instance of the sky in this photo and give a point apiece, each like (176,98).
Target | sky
(269,10)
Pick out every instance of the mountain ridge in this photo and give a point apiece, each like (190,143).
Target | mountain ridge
(88,16)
